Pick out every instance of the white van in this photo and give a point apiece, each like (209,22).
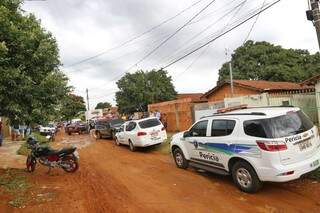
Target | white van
(141,133)
(254,145)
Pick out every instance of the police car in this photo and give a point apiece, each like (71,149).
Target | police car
(254,145)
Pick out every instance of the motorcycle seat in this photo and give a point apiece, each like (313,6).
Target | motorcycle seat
(65,151)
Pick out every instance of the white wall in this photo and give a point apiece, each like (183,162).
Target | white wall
(318,99)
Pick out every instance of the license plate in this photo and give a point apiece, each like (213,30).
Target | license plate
(314,163)
(305,145)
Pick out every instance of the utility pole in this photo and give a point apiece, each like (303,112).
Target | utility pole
(230,73)
(88,106)
(313,14)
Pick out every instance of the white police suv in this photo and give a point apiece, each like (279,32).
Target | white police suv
(254,145)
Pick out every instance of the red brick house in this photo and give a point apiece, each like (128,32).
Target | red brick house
(251,87)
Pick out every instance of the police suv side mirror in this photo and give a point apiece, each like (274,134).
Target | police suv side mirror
(186,134)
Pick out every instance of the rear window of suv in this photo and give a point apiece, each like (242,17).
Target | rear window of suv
(149,123)
(282,126)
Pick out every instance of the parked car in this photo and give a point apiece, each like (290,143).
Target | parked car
(254,145)
(47,130)
(107,127)
(141,133)
(77,127)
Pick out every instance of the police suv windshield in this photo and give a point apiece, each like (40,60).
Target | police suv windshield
(282,126)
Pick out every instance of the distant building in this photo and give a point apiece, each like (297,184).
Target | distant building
(315,82)
(251,87)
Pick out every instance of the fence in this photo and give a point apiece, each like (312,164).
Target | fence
(306,101)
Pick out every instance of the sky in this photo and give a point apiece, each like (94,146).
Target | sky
(100,30)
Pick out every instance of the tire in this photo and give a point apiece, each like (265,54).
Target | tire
(99,136)
(179,159)
(73,164)
(31,163)
(245,177)
(116,141)
(113,135)
(131,146)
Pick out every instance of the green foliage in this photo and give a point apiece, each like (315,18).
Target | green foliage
(23,150)
(141,88)
(103,105)
(265,61)
(31,84)
(14,182)
(72,106)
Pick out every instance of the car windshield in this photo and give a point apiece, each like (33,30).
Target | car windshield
(149,123)
(282,126)
(116,122)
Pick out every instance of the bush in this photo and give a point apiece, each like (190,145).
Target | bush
(23,150)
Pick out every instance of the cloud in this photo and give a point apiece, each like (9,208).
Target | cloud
(84,28)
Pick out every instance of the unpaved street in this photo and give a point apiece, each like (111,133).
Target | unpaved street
(113,179)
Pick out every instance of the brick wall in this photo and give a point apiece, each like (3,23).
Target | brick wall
(178,113)
(225,92)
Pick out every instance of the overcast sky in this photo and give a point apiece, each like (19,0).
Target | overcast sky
(85,28)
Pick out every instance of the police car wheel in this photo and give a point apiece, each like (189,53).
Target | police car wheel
(245,177)
(179,158)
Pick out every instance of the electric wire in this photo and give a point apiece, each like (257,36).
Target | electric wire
(134,38)
(214,39)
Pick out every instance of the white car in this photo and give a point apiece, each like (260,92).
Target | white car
(141,133)
(254,145)
(45,130)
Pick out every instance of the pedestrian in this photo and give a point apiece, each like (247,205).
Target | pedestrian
(0,132)
(158,115)
(164,120)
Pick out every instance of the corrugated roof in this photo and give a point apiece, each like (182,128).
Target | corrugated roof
(312,80)
(270,85)
(262,86)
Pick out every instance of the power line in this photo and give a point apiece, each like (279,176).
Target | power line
(239,6)
(205,50)
(254,23)
(172,35)
(214,39)
(134,38)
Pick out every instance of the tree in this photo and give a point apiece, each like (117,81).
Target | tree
(71,107)
(265,61)
(103,105)
(31,85)
(141,88)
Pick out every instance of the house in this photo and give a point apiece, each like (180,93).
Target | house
(315,82)
(251,87)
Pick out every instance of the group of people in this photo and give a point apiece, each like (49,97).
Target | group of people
(161,117)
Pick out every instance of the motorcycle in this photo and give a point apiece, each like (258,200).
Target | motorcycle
(65,158)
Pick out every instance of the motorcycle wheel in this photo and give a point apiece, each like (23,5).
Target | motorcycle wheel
(31,163)
(72,162)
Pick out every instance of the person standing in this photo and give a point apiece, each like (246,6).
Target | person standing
(158,115)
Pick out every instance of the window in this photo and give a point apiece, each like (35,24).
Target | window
(199,129)
(286,125)
(131,126)
(149,123)
(222,127)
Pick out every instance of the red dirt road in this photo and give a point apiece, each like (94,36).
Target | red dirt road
(113,179)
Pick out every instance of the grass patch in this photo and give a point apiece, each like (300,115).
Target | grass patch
(14,182)
(23,150)
(164,148)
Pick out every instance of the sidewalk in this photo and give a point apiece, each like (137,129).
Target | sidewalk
(9,157)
